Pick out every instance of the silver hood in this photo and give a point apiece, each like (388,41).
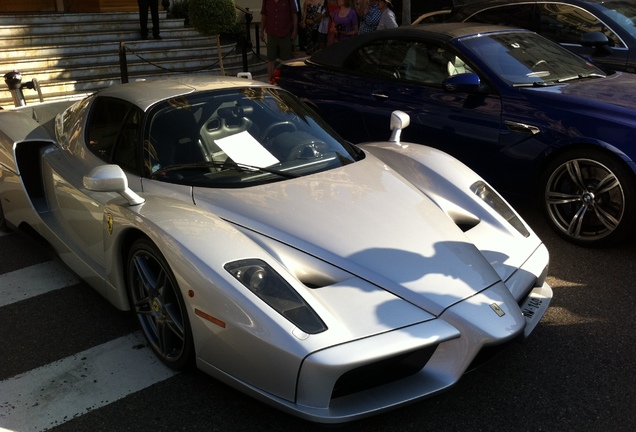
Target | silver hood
(368,220)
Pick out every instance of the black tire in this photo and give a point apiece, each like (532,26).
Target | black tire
(156,300)
(588,197)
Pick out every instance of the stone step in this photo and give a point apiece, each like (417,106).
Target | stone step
(135,53)
(54,29)
(45,51)
(65,82)
(67,89)
(181,65)
(30,19)
(71,54)
(89,37)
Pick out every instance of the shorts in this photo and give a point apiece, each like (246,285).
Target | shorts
(279,48)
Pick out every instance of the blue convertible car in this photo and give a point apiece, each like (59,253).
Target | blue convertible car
(531,117)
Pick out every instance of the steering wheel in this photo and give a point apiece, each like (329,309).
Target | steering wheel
(284,125)
(308,150)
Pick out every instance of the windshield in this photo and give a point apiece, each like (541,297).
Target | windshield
(238,138)
(623,13)
(525,58)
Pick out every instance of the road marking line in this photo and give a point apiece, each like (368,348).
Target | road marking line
(34,280)
(58,392)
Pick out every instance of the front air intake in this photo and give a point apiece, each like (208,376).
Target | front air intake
(382,372)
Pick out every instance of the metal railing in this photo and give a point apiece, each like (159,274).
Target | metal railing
(244,43)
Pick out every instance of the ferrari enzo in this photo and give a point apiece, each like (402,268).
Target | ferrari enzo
(330,280)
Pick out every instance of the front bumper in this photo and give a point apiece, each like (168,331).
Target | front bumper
(445,346)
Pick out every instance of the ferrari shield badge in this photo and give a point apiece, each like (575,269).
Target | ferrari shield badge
(109,223)
(499,311)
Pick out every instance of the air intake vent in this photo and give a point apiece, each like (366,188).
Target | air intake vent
(382,372)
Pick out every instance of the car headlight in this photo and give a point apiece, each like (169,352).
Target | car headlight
(492,198)
(257,276)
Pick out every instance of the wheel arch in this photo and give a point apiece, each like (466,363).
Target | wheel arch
(623,169)
(578,145)
(120,255)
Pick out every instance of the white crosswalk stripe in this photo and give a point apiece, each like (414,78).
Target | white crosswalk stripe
(55,393)
(34,280)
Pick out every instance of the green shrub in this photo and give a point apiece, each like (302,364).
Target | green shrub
(179,10)
(212,17)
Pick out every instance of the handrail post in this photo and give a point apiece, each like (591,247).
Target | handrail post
(257,37)
(123,64)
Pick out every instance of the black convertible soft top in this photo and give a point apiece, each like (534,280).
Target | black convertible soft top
(335,55)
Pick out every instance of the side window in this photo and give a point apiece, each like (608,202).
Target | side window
(392,59)
(127,149)
(420,63)
(366,60)
(104,126)
(514,15)
(566,24)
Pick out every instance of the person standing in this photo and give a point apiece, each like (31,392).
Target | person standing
(345,21)
(332,6)
(143,17)
(369,16)
(313,13)
(387,19)
(279,19)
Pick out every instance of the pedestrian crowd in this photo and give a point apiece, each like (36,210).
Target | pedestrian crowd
(329,21)
(321,22)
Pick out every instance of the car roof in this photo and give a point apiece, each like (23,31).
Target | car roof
(336,54)
(148,92)
(471,7)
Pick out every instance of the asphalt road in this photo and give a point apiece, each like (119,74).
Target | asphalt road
(576,373)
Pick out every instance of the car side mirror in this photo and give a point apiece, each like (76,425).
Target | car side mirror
(598,40)
(594,39)
(466,83)
(111,178)
(399,120)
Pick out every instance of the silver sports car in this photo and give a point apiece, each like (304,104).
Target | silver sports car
(332,281)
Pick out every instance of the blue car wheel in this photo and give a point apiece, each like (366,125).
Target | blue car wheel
(588,197)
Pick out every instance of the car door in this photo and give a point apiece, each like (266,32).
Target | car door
(410,75)
(77,214)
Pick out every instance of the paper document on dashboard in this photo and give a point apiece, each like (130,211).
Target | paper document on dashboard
(243,148)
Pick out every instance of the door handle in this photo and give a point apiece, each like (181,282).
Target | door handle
(379,95)
(522,128)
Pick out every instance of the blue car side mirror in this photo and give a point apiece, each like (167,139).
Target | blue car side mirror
(466,82)
(598,40)
(594,39)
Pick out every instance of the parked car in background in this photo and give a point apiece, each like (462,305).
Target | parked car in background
(531,117)
(419,7)
(240,229)
(602,30)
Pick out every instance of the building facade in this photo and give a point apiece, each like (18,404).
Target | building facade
(68,6)
(92,5)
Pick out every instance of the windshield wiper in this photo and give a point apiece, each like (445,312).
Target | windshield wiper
(247,167)
(582,76)
(536,84)
(228,163)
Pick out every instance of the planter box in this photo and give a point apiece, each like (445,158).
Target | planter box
(103,5)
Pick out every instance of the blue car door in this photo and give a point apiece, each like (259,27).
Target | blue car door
(410,75)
